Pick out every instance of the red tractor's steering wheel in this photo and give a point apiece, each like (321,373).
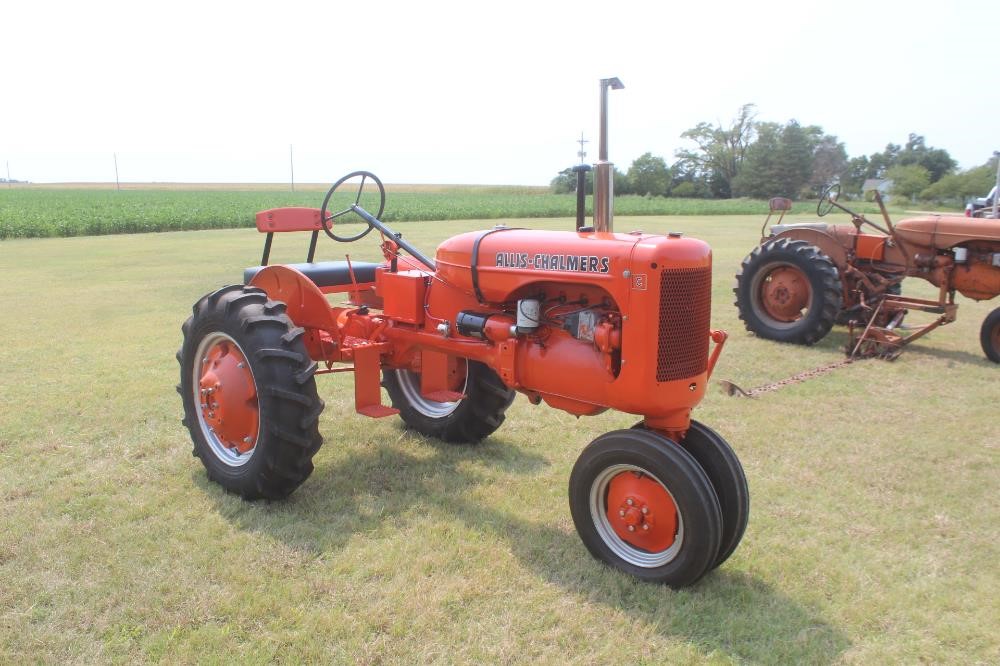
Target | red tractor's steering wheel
(829,197)
(327,218)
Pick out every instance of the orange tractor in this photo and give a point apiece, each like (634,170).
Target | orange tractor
(582,320)
(805,277)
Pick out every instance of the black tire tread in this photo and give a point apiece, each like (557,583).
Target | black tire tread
(725,472)
(289,404)
(687,482)
(823,276)
(991,322)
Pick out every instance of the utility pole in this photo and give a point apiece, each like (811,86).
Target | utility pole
(9,183)
(118,185)
(583,153)
(291,165)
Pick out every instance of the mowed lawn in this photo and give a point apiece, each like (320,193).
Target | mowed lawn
(873,534)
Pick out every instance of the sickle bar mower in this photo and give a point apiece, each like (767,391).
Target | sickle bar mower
(584,321)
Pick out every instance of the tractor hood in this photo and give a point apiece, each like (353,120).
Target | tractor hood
(496,263)
(943,232)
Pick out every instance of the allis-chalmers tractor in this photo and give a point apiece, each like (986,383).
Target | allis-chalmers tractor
(805,277)
(582,320)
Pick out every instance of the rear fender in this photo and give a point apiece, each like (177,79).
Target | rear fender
(828,243)
(307,306)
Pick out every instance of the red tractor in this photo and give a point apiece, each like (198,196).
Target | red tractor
(805,277)
(582,320)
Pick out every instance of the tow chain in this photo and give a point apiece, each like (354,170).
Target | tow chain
(732,389)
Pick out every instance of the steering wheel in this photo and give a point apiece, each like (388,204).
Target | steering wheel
(829,197)
(327,218)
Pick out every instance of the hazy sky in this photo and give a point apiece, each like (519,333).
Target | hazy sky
(469,92)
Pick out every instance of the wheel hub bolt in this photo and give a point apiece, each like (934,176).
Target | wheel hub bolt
(621,512)
(631,528)
(645,526)
(630,501)
(645,510)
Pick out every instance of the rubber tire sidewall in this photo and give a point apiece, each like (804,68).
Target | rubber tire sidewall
(690,487)
(991,322)
(827,297)
(477,415)
(288,434)
(723,468)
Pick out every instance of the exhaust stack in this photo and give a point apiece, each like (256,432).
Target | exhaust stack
(604,170)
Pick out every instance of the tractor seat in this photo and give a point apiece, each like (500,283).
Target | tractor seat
(326,273)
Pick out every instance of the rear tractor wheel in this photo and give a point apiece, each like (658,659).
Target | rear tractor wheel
(789,291)
(466,421)
(989,336)
(643,505)
(249,395)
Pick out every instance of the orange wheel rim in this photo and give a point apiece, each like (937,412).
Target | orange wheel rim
(227,398)
(641,511)
(785,293)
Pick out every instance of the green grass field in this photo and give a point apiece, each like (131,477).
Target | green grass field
(33,212)
(873,535)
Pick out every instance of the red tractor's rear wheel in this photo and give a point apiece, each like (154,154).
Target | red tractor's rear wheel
(249,395)
(789,291)
(989,336)
(466,421)
(642,504)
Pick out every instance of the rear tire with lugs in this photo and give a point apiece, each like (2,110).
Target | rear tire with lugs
(789,291)
(249,395)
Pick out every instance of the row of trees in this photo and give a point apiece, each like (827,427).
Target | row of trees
(751,158)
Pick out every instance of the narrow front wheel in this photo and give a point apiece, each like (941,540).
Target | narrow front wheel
(643,505)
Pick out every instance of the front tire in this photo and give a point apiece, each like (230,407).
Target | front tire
(644,505)
(789,291)
(465,421)
(989,336)
(724,470)
(248,391)
(722,466)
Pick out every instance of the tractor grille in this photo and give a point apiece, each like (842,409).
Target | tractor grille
(685,317)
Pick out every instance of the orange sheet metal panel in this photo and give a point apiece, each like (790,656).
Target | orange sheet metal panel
(402,294)
(871,247)
(289,219)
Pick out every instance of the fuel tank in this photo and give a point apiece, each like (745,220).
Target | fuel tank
(495,265)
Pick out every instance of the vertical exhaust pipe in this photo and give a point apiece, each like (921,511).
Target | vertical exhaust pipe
(604,174)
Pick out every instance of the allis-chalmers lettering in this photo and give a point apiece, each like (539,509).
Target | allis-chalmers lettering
(554,262)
